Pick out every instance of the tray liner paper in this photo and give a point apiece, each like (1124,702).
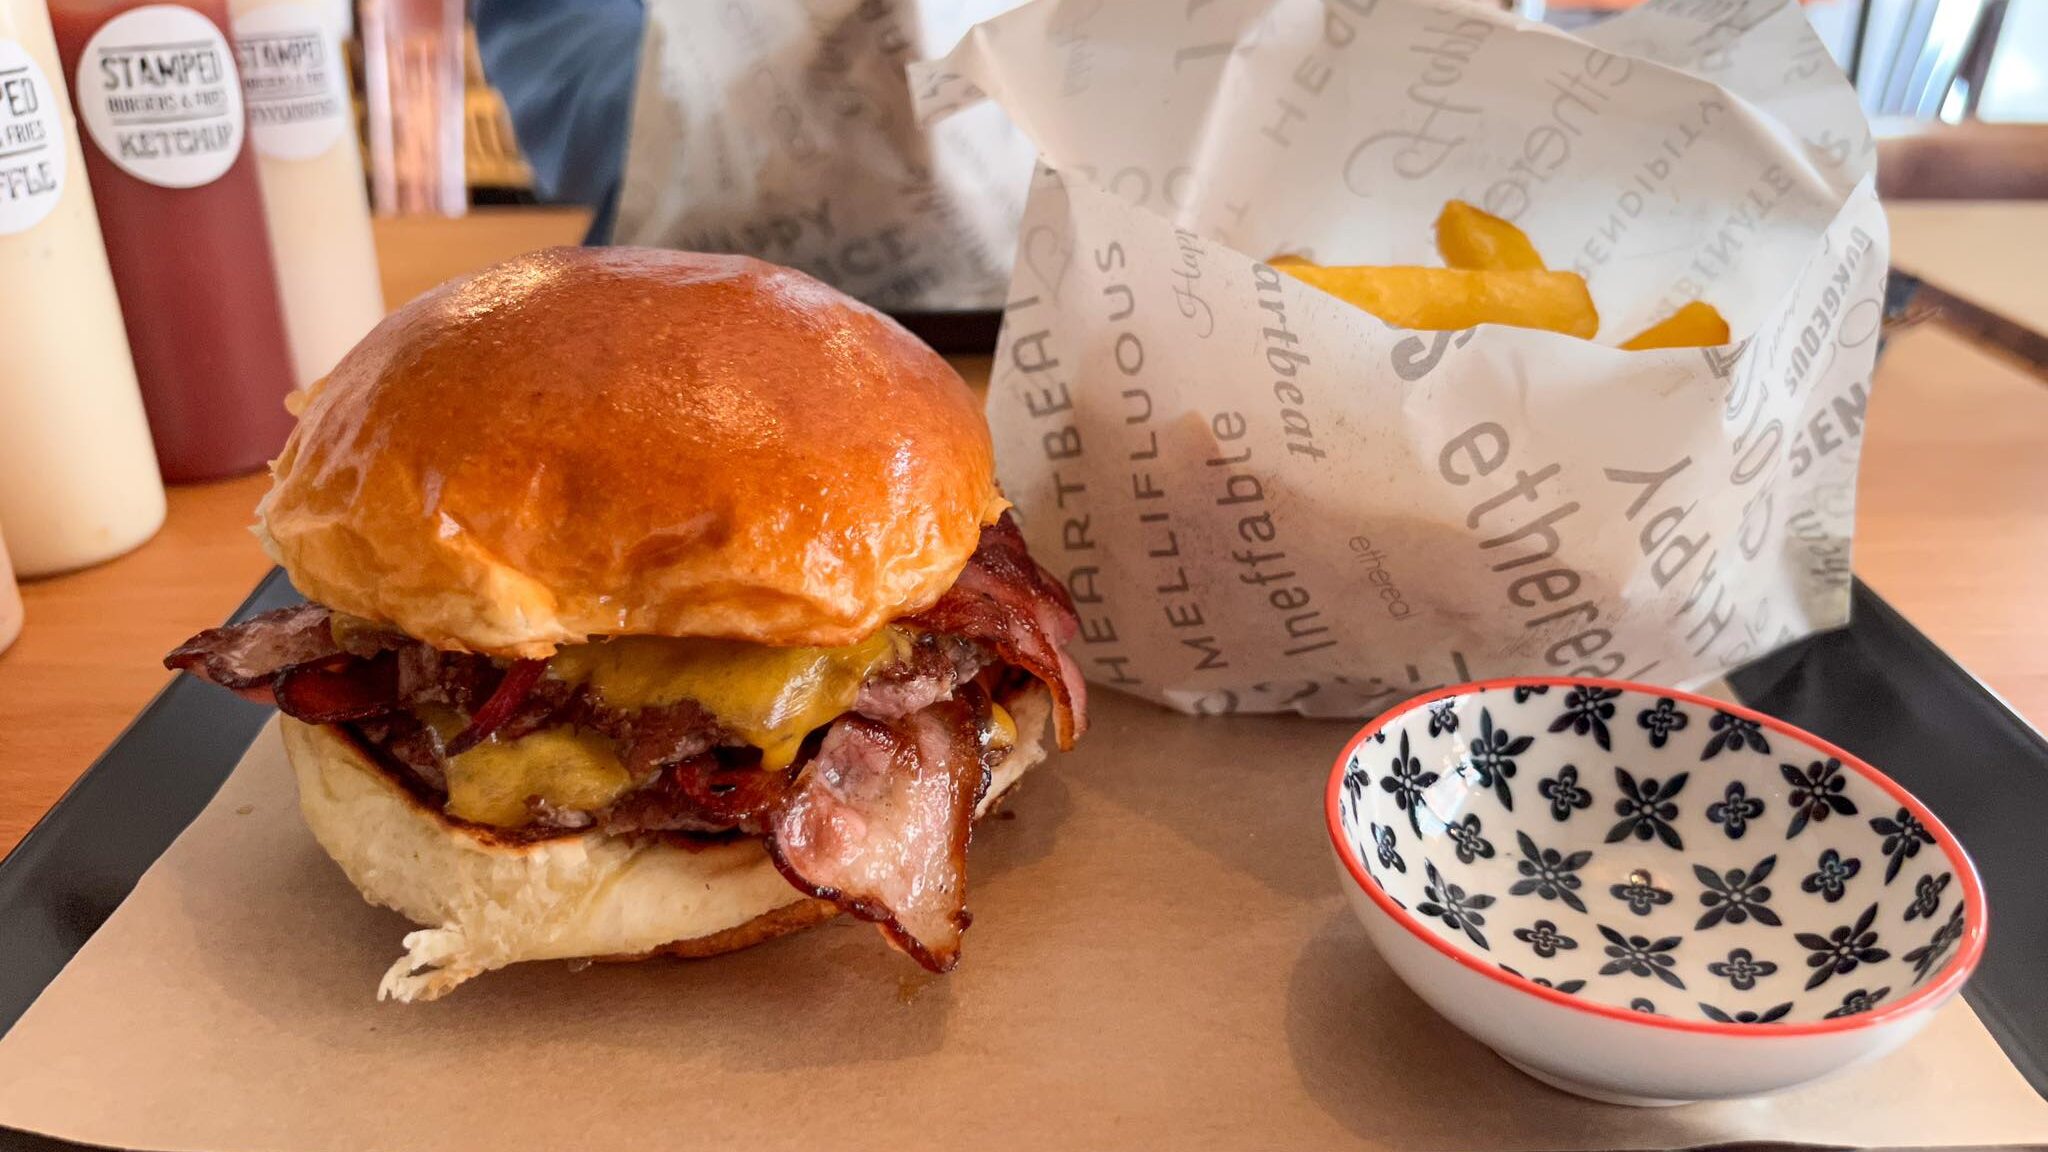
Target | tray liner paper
(1160,958)
(1264,499)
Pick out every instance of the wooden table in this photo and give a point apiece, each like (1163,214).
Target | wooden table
(1953,529)
(1980,263)
(417,252)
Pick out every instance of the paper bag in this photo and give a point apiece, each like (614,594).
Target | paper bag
(783,129)
(1264,499)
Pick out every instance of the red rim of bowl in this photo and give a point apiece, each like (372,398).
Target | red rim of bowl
(1952,975)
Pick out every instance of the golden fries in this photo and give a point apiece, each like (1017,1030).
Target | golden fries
(1483,242)
(1443,299)
(1494,275)
(1694,325)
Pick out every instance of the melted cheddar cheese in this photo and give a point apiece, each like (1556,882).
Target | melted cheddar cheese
(770,697)
(566,767)
(1002,729)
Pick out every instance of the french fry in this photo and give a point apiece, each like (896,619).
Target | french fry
(1694,325)
(1481,241)
(1444,299)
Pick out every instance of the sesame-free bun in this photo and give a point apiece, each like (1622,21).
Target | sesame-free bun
(607,441)
(483,901)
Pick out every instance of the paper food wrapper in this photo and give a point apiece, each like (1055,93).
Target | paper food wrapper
(783,129)
(1264,499)
(1161,958)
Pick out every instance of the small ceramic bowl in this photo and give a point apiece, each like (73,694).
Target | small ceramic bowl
(1645,896)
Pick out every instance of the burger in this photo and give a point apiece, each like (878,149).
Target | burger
(658,603)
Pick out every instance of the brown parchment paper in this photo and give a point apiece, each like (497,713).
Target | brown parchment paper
(1160,958)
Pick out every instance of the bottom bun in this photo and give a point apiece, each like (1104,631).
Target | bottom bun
(485,903)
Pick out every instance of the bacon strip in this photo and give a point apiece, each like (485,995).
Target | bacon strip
(512,690)
(700,794)
(1005,600)
(252,653)
(878,823)
(339,689)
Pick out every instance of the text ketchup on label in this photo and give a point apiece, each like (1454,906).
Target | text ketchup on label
(158,94)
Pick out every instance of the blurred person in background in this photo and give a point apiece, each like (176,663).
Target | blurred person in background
(566,70)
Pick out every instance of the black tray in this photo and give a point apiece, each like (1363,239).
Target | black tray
(1877,687)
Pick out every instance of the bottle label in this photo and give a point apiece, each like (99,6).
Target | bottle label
(32,156)
(158,92)
(293,80)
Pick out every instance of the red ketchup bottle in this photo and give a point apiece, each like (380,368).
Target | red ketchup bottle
(167,152)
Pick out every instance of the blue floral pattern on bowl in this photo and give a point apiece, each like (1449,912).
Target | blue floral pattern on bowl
(1655,853)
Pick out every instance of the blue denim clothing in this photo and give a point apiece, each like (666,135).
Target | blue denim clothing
(566,70)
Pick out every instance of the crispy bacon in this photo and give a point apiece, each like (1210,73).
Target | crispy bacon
(252,653)
(339,689)
(1005,600)
(505,700)
(702,794)
(878,823)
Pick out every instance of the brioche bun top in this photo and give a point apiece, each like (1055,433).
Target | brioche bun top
(607,441)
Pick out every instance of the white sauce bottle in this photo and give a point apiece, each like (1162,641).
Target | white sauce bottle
(295,86)
(78,477)
(10,602)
